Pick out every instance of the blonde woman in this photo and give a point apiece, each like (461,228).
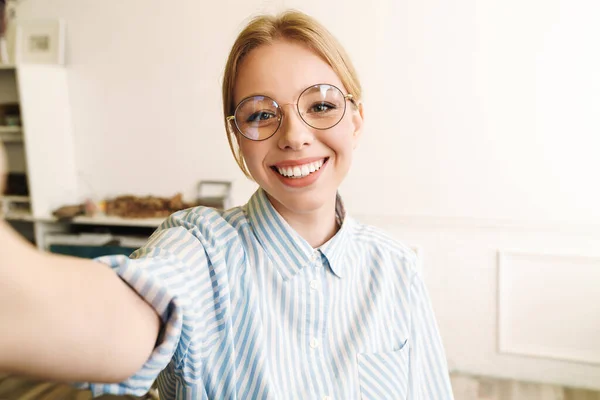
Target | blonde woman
(286,297)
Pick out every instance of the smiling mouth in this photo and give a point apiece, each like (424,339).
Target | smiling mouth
(300,171)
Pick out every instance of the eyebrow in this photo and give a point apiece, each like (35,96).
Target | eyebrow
(271,96)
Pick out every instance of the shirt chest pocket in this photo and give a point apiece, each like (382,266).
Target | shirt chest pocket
(384,375)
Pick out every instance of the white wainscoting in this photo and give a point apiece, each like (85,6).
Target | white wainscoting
(549,306)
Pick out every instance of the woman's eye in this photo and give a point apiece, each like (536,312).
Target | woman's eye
(321,108)
(260,116)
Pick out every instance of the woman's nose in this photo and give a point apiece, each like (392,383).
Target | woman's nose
(294,134)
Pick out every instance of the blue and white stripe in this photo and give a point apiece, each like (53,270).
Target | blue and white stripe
(252,311)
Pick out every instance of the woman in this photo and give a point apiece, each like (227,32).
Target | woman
(285,297)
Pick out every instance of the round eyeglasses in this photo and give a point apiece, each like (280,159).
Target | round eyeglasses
(320,106)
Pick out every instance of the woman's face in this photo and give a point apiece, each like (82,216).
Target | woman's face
(282,71)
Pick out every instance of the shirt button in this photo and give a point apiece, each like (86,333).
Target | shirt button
(314,285)
(314,343)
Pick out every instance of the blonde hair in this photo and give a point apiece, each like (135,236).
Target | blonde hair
(290,25)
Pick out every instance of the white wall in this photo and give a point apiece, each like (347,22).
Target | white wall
(474,109)
(481,109)
(482,129)
(145,76)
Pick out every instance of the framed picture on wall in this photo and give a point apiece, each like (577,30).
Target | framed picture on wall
(40,41)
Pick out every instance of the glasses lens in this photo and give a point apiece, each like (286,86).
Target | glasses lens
(257,117)
(322,106)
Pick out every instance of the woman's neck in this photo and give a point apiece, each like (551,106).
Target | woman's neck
(316,226)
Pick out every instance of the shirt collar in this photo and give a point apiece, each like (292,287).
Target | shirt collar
(289,251)
(336,249)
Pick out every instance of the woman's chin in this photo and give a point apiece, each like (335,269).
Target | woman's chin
(300,202)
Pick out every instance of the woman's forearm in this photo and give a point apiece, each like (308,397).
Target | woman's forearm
(67,318)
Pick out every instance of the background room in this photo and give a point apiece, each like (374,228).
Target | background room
(479,151)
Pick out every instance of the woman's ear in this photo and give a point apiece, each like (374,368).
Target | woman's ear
(358,121)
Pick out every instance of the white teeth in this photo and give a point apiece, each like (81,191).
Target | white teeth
(301,171)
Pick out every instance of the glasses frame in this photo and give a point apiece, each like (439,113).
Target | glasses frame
(347,96)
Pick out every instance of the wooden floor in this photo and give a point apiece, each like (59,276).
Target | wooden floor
(481,388)
(465,387)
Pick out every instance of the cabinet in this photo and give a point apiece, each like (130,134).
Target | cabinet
(41,147)
(41,161)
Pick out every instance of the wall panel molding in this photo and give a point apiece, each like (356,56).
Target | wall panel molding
(487,224)
(549,305)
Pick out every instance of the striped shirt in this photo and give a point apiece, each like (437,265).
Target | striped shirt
(252,311)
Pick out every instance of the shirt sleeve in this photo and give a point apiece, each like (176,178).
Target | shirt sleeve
(429,378)
(167,272)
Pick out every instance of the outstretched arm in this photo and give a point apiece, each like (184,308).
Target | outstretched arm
(69,319)
(66,318)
